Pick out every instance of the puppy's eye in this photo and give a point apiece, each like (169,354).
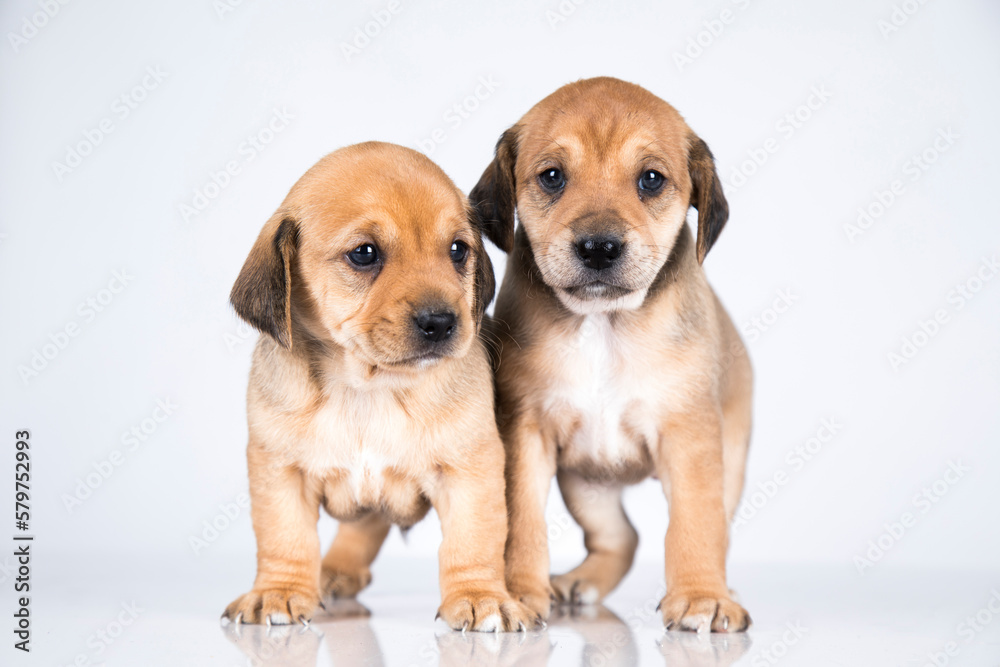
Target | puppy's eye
(651,181)
(459,252)
(552,180)
(364,255)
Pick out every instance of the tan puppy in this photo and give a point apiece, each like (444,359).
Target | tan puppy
(618,362)
(371,393)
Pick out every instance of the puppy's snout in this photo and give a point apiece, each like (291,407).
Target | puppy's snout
(598,252)
(435,326)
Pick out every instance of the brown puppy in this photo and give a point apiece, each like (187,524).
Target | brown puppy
(371,393)
(618,361)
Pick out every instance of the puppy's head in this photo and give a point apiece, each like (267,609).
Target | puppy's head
(373,250)
(601,174)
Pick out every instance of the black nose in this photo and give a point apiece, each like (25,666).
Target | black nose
(435,326)
(598,252)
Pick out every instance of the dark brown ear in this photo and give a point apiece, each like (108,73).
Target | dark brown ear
(706,196)
(486,283)
(263,291)
(495,196)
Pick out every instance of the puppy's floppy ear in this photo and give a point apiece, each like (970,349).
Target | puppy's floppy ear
(495,196)
(706,195)
(485,285)
(262,293)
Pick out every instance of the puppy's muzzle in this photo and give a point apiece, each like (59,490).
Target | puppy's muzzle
(598,252)
(435,326)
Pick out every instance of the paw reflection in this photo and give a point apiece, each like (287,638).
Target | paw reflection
(498,649)
(607,639)
(344,625)
(703,649)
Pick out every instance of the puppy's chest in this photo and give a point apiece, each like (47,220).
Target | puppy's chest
(603,398)
(370,454)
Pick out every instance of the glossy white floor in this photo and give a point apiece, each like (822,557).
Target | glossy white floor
(153,613)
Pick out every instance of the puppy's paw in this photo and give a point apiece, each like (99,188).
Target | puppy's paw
(702,612)
(537,598)
(570,589)
(274,606)
(482,611)
(341,583)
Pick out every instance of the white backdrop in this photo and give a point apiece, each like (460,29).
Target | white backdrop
(857,139)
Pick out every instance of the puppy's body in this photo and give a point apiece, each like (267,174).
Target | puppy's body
(371,394)
(599,383)
(367,448)
(617,360)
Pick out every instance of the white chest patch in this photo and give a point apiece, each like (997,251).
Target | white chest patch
(598,389)
(360,437)
(367,475)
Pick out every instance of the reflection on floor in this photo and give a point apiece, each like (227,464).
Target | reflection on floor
(346,635)
(808,615)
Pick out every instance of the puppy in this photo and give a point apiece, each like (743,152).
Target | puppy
(371,394)
(617,360)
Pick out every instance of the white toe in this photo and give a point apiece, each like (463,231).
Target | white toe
(492,623)
(279,619)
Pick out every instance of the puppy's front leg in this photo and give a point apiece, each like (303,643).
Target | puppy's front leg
(284,512)
(530,469)
(690,465)
(470,503)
